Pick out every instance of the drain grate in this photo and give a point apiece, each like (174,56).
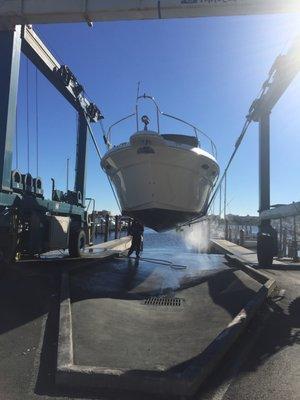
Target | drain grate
(164,301)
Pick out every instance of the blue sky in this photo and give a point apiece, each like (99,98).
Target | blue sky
(205,70)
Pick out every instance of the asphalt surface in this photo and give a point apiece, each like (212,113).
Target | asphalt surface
(113,328)
(263,364)
(273,368)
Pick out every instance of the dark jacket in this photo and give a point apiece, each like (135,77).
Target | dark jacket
(136,229)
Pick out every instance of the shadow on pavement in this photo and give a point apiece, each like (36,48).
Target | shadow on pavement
(277,330)
(26,295)
(279,333)
(219,285)
(132,279)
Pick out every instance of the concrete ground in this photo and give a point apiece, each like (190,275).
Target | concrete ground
(272,368)
(113,328)
(264,363)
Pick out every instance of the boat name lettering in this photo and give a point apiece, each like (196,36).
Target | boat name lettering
(145,150)
(121,145)
(146,142)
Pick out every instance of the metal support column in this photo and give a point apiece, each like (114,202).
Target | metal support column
(280,238)
(267,246)
(295,243)
(106,228)
(116,227)
(220,207)
(10,50)
(225,206)
(81,155)
(264,165)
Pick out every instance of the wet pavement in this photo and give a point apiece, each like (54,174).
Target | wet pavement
(114,328)
(166,263)
(155,273)
(264,363)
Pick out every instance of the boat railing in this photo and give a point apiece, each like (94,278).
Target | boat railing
(107,136)
(197,132)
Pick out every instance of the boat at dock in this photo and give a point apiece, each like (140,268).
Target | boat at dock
(161,179)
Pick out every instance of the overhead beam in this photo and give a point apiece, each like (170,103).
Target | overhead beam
(81,156)
(38,53)
(264,162)
(282,73)
(282,211)
(10,50)
(43,59)
(13,12)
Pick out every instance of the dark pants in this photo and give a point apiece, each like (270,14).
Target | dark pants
(135,245)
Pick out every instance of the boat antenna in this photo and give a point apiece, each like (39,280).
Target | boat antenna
(136,105)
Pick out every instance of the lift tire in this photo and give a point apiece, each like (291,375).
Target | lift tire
(77,242)
(8,243)
(7,257)
(264,260)
(265,251)
(2,263)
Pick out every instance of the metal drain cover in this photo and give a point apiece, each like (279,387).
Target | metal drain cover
(164,301)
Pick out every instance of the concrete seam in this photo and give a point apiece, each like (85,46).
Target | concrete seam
(65,337)
(222,343)
(37,358)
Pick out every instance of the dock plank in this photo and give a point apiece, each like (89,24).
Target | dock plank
(232,248)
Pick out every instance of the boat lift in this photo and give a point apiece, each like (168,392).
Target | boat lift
(282,73)
(29,223)
(15,194)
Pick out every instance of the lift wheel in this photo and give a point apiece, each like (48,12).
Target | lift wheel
(77,242)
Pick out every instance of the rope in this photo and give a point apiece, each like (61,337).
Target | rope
(166,263)
(93,139)
(102,128)
(37,122)
(114,193)
(100,157)
(27,115)
(237,145)
(218,187)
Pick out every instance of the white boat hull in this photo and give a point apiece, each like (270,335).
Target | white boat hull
(160,182)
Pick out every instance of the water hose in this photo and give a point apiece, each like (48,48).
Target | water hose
(166,263)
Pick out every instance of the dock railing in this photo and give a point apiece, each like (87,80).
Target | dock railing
(243,230)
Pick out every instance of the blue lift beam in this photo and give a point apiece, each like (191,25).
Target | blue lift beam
(81,155)
(281,75)
(24,213)
(10,50)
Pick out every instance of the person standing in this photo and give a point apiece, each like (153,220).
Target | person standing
(136,231)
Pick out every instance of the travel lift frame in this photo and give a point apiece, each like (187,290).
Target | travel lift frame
(49,11)
(282,73)
(30,224)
